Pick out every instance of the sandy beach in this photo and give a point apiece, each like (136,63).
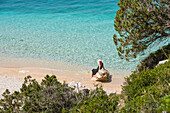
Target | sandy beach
(12,76)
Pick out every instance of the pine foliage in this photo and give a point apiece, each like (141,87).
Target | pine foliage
(140,23)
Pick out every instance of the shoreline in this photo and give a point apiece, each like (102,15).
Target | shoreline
(12,75)
(51,64)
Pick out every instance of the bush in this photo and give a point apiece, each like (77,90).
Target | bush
(165,104)
(146,89)
(98,102)
(153,59)
(49,96)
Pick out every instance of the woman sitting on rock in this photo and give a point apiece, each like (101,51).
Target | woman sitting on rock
(94,71)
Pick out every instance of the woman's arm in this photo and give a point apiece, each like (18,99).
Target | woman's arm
(103,67)
(99,67)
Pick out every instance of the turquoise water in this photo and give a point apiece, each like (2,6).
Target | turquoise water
(73,31)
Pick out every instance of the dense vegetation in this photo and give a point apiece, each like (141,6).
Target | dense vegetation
(98,103)
(153,59)
(49,96)
(140,24)
(146,91)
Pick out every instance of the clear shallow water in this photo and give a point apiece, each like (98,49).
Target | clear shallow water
(73,31)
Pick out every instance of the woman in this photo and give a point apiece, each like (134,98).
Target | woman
(94,71)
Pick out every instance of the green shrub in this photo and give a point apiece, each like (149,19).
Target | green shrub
(153,59)
(165,104)
(98,102)
(146,89)
(49,96)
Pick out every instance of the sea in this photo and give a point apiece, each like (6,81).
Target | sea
(75,32)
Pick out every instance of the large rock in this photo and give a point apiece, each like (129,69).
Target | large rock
(103,75)
(74,84)
(162,62)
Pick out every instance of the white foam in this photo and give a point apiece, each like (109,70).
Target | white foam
(23,71)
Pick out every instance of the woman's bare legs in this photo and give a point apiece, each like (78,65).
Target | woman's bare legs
(91,75)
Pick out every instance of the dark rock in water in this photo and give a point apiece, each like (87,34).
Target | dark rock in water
(21,40)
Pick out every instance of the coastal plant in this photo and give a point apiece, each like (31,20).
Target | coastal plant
(140,24)
(144,90)
(153,59)
(165,104)
(98,101)
(49,96)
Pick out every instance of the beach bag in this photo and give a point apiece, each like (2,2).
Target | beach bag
(102,75)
